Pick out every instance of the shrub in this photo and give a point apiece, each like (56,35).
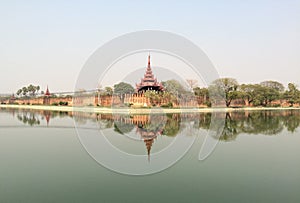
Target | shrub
(168,105)
(61,103)
(128,104)
(207,103)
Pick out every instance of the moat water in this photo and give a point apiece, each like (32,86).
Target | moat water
(257,158)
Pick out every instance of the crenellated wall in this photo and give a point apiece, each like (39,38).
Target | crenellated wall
(134,100)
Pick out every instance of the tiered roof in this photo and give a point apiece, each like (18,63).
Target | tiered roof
(47,93)
(149,82)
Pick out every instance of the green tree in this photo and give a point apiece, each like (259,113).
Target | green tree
(24,91)
(227,86)
(174,87)
(292,95)
(108,91)
(273,85)
(265,95)
(37,88)
(19,92)
(31,89)
(202,92)
(123,88)
(248,92)
(153,96)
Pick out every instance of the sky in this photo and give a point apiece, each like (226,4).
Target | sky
(48,42)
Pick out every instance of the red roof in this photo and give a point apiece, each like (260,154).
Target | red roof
(149,80)
(47,92)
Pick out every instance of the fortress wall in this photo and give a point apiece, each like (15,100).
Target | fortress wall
(135,100)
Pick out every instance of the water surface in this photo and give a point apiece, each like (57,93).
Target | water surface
(256,160)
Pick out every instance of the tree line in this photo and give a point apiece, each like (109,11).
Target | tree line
(30,90)
(261,94)
(227,89)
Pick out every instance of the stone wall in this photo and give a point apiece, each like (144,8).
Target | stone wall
(41,101)
(134,100)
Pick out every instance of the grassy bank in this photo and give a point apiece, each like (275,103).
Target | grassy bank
(139,110)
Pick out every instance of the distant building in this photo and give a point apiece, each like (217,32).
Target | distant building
(149,82)
(47,93)
(47,97)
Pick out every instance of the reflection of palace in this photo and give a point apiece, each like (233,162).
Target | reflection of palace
(149,127)
(34,117)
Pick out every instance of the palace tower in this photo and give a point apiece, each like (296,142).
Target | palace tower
(149,82)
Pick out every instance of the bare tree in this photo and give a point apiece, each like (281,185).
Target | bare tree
(192,83)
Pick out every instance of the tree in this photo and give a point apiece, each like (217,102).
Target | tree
(228,86)
(38,88)
(123,88)
(108,91)
(24,91)
(19,92)
(273,85)
(248,92)
(192,83)
(265,95)
(202,92)
(31,89)
(175,88)
(153,96)
(292,95)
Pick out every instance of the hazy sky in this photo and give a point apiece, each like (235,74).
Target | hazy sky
(47,42)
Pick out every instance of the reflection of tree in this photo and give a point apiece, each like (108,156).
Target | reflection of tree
(106,122)
(172,125)
(230,130)
(122,127)
(256,122)
(203,121)
(150,126)
(292,121)
(79,119)
(266,123)
(28,118)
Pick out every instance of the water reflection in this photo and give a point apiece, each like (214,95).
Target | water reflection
(34,117)
(28,118)
(148,128)
(151,126)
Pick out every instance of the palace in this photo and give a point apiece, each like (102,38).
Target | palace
(138,99)
(149,82)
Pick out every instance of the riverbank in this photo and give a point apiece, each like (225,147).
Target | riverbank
(139,110)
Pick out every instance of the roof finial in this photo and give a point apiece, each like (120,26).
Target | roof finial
(149,60)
